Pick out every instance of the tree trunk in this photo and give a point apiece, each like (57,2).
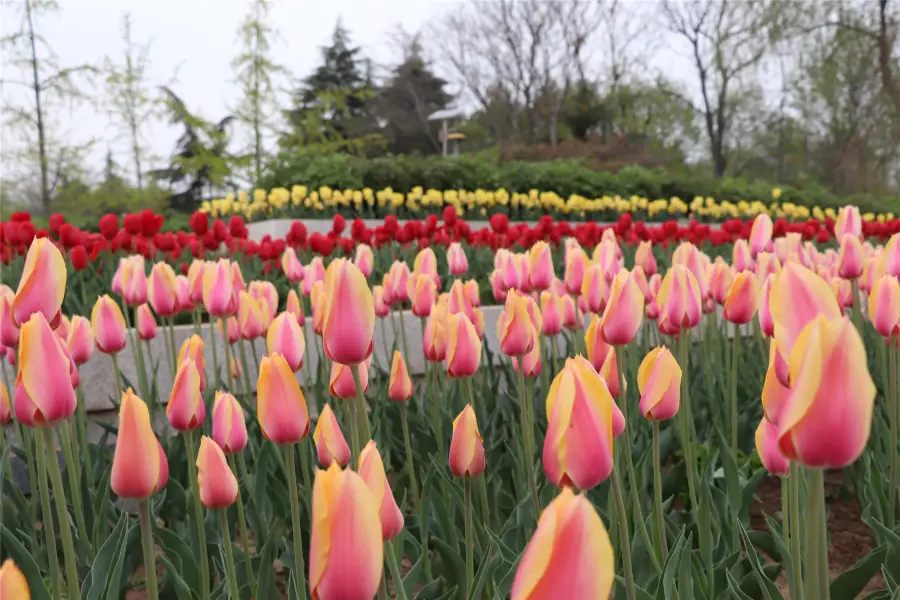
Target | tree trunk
(39,114)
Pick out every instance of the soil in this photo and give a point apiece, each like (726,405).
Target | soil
(850,538)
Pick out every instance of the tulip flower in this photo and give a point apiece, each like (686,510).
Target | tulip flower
(134,280)
(679,298)
(192,348)
(400,388)
(568,556)
(721,277)
(108,325)
(473,293)
(644,258)
(371,469)
(62,328)
(183,293)
(851,258)
(398,279)
(80,340)
(514,327)
(884,306)
(761,234)
(890,257)
(252,319)
(827,418)
(741,259)
(162,292)
(139,467)
(348,323)
(466,445)
(331,446)
(185,409)
(463,347)
(5,406)
(571,318)
(9,330)
(742,299)
(606,256)
(578,448)
(848,222)
(345,547)
(602,356)
(624,311)
(531,362)
(576,265)
(434,338)
(317,302)
(146,324)
(540,266)
(312,273)
(293,307)
(195,280)
(659,381)
(422,293)
(231,331)
(798,295)
(229,429)
(218,485)
(767,448)
(364,259)
(381,306)
(218,289)
(594,289)
(285,337)
(767,264)
(42,285)
(291,266)
(281,407)
(456,259)
(497,287)
(766,324)
(552,313)
(12,582)
(44,393)
(341,384)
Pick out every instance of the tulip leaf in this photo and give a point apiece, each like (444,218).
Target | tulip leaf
(265,577)
(485,572)
(768,587)
(849,584)
(25,562)
(666,584)
(686,580)
(130,538)
(735,587)
(173,582)
(99,575)
(878,595)
(892,561)
(175,545)
(450,555)
(98,533)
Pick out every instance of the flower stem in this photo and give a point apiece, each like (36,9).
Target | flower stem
(735,345)
(149,548)
(409,454)
(191,449)
(299,566)
(365,433)
(817,584)
(242,530)
(224,326)
(248,387)
(62,514)
(215,353)
(403,331)
(623,535)
(172,348)
(893,405)
(794,521)
(435,409)
(74,485)
(528,442)
(115,362)
(47,524)
(470,538)
(657,494)
(394,568)
(229,554)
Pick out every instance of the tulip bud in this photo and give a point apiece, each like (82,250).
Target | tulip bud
(192,348)
(602,356)
(341,384)
(531,362)
(434,338)
(62,329)
(679,298)
(13,584)
(232,331)
(473,293)
(331,446)
(851,258)
(578,451)
(514,327)
(139,467)
(552,313)
(266,295)
(890,257)
(766,324)
(195,280)
(828,416)
(162,290)
(767,448)
(761,234)
(9,330)
(217,484)
(400,388)
(398,278)
(281,407)
(624,310)
(146,324)
(742,299)
(346,557)
(364,260)
(422,293)
(774,393)
(42,285)
(312,273)
(798,295)
(572,319)
(108,325)
(644,258)
(285,337)
(659,381)
(740,257)
(456,259)
(317,302)
(569,554)
(81,340)
(848,222)
(884,306)
(463,347)
(229,428)
(252,319)
(5,406)
(576,265)
(540,266)
(688,256)
(218,289)
(381,306)
(291,266)
(497,287)
(348,324)
(183,293)
(185,409)
(594,289)
(721,277)
(134,280)
(371,469)
(466,445)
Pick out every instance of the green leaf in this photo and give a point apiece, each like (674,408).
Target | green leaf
(175,546)
(769,589)
(485,572)
(666,586)
(686,581)
(174,580)
(450,554)
(25,561)
(115,583)
(849,584)
(110,551)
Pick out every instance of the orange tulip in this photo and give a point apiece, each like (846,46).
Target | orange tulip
(293,307)
(497,288)
(594,289)
(828,416)
(434,339)
(44,393)
(266,295)
(146,324)
(576,265)
(12,582)
(80,340)
(767,264)
(624,310)
(679,299)
(108,325)
(514,327)
(397,280)
(62,328)
(400,388)
(218,289)
(162,290)
(285,337)
(884,306)
(890,257)
(185,409)
(798,295)
(313,272)
(5,406)
(134,280)
(381,307)
(345,547)
(252,319)
(742,299)
(463,347)
(602,356)
(348,324)
(42,285)
(422,293)
(848,222)
(364,259)
(331,446)
(341,384)
(139,467)
(688,256)
(540,266)
(741,259)
(552,313)
(578,449)
(720,279)
(281,407)
(9,330)
(192,348)
(291,266)
(606,255)
(851,258)
(466,445)
(456,259)
(569,554)
(218,485)
(229,428)
(659,381)
(371,469)
(767,448)
(195,280)
(531,362)
(766,324)
(644,258)
(317,301)
(761,234)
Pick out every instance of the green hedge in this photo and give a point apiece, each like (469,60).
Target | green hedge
(565,177)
